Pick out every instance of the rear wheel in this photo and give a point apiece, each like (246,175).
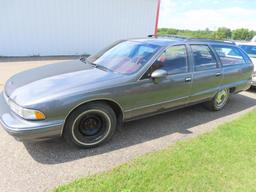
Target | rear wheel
(90,125)
(219,101)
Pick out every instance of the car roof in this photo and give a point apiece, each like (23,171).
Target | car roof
(155,41)
(166,40)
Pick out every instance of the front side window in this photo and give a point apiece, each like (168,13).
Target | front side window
(203,58)
(126,57)
(174,60)
(229,55)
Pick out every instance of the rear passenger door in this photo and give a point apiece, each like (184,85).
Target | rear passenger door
(207,73)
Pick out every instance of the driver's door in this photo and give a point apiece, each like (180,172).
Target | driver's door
(153,95)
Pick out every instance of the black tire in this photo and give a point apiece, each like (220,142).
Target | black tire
(90,125)
(219,101)
(252,88)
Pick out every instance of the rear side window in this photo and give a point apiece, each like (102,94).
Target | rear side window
(203,58)
(229,55)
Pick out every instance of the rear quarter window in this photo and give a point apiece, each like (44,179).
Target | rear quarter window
(229,55)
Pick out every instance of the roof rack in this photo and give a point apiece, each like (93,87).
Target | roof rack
(212,40)
(192,39)
(170,36)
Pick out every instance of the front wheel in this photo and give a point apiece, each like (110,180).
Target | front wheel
(90,125)
(219,101)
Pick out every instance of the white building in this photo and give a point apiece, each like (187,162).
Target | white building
(71,27)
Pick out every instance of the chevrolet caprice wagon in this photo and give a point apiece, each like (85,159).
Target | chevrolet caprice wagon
(86,100)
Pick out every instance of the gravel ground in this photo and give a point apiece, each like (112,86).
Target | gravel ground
(41,166)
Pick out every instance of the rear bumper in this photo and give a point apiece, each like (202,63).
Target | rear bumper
(24,130)
(253,83)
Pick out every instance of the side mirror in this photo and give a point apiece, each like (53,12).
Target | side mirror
(159,74)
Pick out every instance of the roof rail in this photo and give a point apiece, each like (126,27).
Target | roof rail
(192,39)
(212,40)
(169,36)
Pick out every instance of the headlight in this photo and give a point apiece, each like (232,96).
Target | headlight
(28,114)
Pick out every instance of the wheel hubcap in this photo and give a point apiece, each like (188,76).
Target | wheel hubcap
(90,126)
(221,97)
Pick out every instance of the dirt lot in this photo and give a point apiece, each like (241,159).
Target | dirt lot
(41,166)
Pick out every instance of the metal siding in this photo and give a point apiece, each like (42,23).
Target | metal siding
(65,27)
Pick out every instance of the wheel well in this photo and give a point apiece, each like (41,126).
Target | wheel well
(232,90)
(116,107)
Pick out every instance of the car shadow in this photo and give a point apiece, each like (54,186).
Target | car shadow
(57,151)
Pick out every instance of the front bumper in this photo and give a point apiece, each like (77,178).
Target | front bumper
(24,130)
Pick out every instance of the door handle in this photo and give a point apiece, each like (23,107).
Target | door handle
(218,74)
(188,79)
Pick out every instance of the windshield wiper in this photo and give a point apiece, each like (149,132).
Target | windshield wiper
(85,60)
(102,67)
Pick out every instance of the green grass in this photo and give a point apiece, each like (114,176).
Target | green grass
(223,160)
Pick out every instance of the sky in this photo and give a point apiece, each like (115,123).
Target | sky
(202,14)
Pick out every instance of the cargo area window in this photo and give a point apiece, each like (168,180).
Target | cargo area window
(203,58)
(229,55)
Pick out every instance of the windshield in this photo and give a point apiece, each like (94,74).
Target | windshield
(126,57)
(249,49)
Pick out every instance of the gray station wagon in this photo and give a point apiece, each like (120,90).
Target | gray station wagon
(86,100)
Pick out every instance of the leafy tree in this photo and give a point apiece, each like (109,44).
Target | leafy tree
(242,34)
(223,33)
(168,31)
(253,34)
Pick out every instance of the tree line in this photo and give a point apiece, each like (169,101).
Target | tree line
(222,33)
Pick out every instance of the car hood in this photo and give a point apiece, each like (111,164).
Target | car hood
(54,79)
